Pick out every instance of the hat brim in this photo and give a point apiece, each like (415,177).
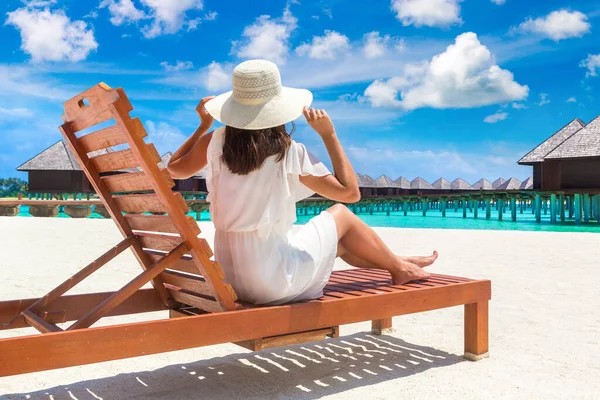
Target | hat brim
(279,110)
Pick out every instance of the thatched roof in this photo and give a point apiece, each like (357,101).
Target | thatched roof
(420,183)
(385,181)
(482,184)
(442,184)
(461,184)
(403,182)
(57,157)
(583,143)
(511,184)
(539,153)
(527,184)
(497,183)
(365,181)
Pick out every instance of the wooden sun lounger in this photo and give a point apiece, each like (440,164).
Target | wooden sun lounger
(203,308)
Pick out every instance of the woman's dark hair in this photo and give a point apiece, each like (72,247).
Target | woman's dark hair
(245,150)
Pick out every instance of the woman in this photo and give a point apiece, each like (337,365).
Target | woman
(255,175)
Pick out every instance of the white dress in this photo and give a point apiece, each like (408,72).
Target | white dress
(264,261)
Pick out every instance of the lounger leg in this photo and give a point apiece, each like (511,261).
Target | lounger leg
(476,331)
(381,326)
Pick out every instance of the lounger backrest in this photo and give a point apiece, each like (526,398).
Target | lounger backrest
(195,279)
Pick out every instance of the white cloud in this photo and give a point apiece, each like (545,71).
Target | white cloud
(592,63)
(23,81)
(519,106)
(427,12)
(571,100)
(498,116)
(166,137)
(557,25)
(463,76)
(216,77)
(329,46)
(499,2)
(267,38)
(376,46)
(15,112)
(213,77)
(543,99)
(122,11)
(51,36)
(168,17)
(179,66)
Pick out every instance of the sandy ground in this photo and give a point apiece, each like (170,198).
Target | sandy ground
(544,326)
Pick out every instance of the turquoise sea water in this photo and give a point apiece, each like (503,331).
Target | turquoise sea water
(434,220)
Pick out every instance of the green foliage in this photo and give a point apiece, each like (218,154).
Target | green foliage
(11,187)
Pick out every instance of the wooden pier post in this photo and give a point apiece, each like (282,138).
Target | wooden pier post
(405,208)
(553,208)
(488,209)
(464,204)
(513,209)
(561,205)
(586,208)
(424,207)
(538,208)
(476,209)
(500,207)
(443,206)
(577,208)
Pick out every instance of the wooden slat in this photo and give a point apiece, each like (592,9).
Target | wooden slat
(138,203)
(108,137)
(144,300)
(120,160)
(130,288)
(185,264)
(182,296)
(165,243)
(133,181)
(80,116)
(64,349)
(158,223)
(192,283)
(39,324)
(287,340)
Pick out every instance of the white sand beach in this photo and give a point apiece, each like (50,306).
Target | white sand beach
(544,326)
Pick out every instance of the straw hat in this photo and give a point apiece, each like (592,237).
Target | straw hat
(258,100)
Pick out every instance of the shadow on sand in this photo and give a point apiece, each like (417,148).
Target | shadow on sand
(308,371)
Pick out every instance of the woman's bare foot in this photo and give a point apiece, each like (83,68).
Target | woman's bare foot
(407,272)
(422,261)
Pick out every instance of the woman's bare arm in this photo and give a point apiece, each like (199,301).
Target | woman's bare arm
(342,185)
(191,156)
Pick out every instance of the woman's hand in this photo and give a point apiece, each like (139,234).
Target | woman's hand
(319,121)
(205,118)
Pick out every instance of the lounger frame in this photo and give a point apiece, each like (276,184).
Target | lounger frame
(202,307)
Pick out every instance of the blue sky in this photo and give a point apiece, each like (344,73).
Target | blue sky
(415,87)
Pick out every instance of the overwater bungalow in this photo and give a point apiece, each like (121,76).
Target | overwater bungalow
(460,184)
(575,163)
(420,185)
(55,170)
(483,184)
(546,175)
(403,182)
(366,185)
(497,183)
(527,184)
(387,187)
(442,184)
(511,184)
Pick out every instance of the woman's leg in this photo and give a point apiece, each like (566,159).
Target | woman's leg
(368,250)
(349,258)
